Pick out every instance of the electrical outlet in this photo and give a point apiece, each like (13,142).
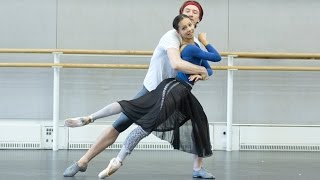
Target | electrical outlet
(47,137)
(220,137)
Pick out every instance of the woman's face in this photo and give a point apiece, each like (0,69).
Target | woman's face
(186,28)
(193,12)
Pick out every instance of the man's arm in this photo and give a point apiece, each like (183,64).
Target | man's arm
(178,64)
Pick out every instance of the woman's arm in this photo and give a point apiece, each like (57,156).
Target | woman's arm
(181,65)
(211,55)
(205,64)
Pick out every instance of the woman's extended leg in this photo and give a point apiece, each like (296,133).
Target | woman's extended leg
(134,137)
(108,137)
(111,109)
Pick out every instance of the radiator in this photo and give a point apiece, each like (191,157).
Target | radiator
(282,138)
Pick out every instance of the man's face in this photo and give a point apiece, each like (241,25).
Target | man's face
(193,12)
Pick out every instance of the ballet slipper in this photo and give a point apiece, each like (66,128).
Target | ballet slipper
(78,121)
(73,170)
(113,166)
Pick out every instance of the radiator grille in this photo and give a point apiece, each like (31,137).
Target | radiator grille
(18,145)
(273,147)
(141,146)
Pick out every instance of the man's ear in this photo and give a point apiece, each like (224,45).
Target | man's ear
(196,24)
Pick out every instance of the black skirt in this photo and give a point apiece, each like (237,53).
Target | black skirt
(172,113)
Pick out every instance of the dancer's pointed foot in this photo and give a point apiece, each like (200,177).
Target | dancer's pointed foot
(74,169)
(78,121)
(113,166)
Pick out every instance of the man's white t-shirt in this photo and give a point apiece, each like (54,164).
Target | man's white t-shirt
(160,67)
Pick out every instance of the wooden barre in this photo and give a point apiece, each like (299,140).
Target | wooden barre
(77,51)
(75,65)
(263,55)
(145,66)
(272,68)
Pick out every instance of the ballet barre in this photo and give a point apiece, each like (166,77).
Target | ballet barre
(257,55)
(145,66)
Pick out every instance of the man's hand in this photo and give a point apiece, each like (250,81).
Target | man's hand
(204,75)
(197,77)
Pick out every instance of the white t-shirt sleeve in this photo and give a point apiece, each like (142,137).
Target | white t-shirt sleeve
(170,40)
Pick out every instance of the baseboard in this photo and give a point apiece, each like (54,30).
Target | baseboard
(277,147)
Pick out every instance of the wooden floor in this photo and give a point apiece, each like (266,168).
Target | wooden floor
(166,165)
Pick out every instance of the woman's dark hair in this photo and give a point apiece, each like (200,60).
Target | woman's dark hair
(177,19)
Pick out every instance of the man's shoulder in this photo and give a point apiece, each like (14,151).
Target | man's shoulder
(170,39)
(169,34)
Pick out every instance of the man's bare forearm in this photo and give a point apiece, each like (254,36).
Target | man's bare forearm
(181,65)
(190,68)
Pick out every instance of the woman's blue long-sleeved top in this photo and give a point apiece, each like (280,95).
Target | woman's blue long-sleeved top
(193,54)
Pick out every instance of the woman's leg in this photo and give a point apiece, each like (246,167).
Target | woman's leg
(129,144)
(197,162)
(198,170)
(111,109)
(108,137)
(108,110)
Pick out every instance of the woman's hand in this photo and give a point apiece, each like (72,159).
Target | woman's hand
(203,38)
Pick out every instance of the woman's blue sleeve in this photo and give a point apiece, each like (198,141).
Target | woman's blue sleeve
(211,55)
(205,64)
